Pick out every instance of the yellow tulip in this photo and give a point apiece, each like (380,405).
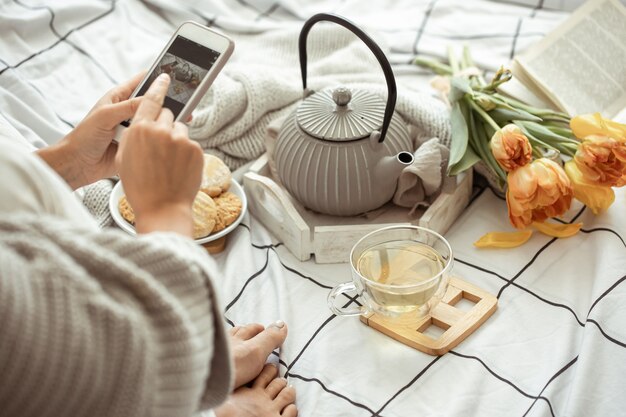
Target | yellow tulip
(558,230)
(594,124)
(511,147)
(598,198)
(503,239)
(536,192)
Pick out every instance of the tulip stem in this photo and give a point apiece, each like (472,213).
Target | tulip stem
(469,62)
(437,67)
(484,115)
(454,63)
(561,131)
(483,140)
(543,113)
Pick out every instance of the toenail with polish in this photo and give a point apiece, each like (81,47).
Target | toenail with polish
(278,324)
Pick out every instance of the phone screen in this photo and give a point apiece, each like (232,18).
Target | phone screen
(187,63)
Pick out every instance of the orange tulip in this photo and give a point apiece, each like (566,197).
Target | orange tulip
(602,160)
(536,192)
(598,198)
(511,147)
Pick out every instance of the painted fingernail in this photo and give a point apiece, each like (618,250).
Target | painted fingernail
(279,324)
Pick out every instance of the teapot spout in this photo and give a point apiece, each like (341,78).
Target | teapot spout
(389,168)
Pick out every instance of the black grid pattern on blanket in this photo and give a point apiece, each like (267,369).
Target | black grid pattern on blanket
(555,347)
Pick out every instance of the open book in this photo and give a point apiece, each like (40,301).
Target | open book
(580,67)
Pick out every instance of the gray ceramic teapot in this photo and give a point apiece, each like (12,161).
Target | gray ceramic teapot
(341,152)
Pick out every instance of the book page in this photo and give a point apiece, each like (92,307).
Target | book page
(581,66)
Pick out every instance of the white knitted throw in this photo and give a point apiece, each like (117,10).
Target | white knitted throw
(106,324)
(262,82)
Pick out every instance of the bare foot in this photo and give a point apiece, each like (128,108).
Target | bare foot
(269,397)
(252,344)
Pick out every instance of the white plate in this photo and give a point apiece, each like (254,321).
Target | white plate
(118,192)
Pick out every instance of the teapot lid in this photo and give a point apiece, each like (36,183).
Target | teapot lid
(340,115)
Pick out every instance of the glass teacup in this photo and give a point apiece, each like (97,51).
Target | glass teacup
(397,270)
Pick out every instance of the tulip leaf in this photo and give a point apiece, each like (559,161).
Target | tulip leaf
(543,132)
(467,161)
(458,88)
(503,239)
(459,135)
(558,230)
(503,116)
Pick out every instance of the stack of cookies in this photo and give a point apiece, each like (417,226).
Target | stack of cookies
(214,208)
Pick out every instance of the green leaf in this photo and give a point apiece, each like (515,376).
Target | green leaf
(467,161)
(546,134)
(459,135)
(459,87)
(503,116)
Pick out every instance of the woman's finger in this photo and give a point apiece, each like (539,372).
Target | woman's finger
(166,118)
(124,90)
(180,131)
(113,114)
(152,102)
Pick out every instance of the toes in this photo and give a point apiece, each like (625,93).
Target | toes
(270,339)
(285,397)
(266,376)
(247,332)
(290,411)
(275,387)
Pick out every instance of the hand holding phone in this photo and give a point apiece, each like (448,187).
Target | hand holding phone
(192,58)
(161,169)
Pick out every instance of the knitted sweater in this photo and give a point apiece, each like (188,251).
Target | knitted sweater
(98,323)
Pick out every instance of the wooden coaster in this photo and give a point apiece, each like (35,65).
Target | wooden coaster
(457,324)
(216,246)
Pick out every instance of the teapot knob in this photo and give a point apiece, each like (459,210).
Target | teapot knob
(342,96)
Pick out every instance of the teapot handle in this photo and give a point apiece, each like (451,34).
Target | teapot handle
(392,92)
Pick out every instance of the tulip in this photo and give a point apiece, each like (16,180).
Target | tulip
(602,160)
(597,198)
(537,191)
(511,147)
(594,124)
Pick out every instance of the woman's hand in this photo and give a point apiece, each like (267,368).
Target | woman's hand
(161,169)
(87,153)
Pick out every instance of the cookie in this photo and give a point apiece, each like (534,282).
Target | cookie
(204,215)
(126,210)
(228,210)
(216,176)
(204,212)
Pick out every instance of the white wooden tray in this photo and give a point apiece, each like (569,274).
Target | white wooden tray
(330,238)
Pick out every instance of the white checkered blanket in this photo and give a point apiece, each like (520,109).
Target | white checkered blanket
(556,346)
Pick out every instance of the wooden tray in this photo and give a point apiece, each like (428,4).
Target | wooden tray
(457,324)
(330,238)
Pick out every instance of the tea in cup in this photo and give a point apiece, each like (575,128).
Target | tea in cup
(396,270)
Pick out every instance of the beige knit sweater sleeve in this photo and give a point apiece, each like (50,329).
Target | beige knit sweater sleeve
(98,323)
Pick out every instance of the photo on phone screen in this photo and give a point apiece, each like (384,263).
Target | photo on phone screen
(187,63)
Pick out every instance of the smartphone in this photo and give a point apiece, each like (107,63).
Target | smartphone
(193,57)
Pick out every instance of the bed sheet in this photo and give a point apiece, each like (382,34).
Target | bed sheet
(556,346)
